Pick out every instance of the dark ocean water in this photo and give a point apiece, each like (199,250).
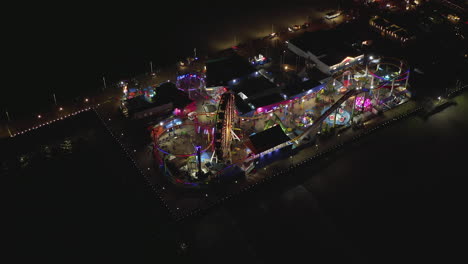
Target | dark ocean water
(395,196)
(72,190)
(67,49)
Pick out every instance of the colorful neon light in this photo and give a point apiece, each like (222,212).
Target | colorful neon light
(360,102)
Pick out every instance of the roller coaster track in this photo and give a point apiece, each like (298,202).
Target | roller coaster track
(223,126)
(275,120)
(329,111)
(316,125)
(346,96)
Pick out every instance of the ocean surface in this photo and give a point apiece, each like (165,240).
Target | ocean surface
(394,195)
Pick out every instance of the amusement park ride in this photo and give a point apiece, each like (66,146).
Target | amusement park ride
(377,85)
(224,133)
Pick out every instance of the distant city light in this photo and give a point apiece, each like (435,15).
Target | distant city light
(60,109)
(39,116)
(86,100)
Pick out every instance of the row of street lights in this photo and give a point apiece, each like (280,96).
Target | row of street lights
(40,116)
(50,122)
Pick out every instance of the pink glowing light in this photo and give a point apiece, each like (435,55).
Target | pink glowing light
(360,102)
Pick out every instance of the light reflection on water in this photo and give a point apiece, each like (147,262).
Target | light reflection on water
(33,150)
(40,153)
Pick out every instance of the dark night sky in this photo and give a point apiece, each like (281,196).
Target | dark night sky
(67,48)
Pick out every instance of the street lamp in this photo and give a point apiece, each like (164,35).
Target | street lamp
(39,116)
(86,100)
(60,109)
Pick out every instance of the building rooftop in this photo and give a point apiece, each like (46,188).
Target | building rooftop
(139,103)
(335,43)
(252,85)
(267,139)
(165,93)
(222,70)
(316,42)
(315,74)
(301,87)
(168,92)
(266,100)
(242,106)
